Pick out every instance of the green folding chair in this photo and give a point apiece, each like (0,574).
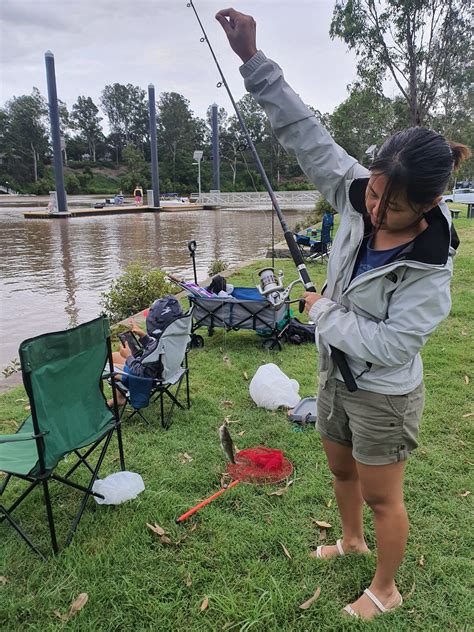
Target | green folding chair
(62,373)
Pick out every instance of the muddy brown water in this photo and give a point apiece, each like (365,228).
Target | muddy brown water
(52,272)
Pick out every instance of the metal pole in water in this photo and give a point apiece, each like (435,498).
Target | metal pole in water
(55,132)
(216,178)
(155,179)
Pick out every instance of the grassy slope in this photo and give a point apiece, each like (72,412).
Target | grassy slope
(234,556)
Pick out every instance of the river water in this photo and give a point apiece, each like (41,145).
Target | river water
(52,272)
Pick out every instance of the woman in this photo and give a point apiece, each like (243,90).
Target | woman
(388,288)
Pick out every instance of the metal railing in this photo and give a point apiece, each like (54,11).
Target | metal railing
(249,200)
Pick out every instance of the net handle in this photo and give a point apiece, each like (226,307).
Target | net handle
(205,502)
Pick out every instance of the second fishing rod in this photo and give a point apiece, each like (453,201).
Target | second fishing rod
(337,355)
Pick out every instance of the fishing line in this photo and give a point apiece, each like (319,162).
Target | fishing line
(337,355)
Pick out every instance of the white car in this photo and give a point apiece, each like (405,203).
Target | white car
(462,196)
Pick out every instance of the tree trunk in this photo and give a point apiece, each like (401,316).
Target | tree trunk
(35,163)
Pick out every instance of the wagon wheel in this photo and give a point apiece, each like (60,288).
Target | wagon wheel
(272,344)
(197,342)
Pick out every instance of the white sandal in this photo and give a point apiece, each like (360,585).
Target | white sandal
(375,600)
(340,550)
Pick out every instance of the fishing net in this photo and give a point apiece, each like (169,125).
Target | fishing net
(260,466)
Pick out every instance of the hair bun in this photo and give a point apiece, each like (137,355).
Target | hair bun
(460,152)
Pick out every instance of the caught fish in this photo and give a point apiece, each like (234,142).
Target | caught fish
(226,442)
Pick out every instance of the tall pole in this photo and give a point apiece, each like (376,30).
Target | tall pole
(153,146)
(216,179)
(55,132)
(199,177)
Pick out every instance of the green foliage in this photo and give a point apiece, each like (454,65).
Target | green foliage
(429,46)
(134,290)
(217,266)
(322,206)
(72,184)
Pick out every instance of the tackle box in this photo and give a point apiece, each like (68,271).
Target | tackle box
(304,412)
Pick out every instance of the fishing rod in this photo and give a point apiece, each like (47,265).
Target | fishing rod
(337,354)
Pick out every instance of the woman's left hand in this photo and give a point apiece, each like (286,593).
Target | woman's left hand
(310,299)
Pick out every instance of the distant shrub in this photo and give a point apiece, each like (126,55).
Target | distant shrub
(217,266)
(134,290)
(72,184)
(322,206)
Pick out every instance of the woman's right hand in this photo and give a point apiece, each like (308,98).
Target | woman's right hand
(241,31)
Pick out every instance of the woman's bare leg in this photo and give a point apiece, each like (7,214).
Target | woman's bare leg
(349,498)
(382,489)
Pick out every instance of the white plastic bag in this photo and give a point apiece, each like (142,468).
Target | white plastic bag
(118,487)
(270,388)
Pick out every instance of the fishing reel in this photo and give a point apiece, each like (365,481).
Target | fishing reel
(272,288)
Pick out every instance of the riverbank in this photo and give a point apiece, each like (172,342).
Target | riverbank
(243,563)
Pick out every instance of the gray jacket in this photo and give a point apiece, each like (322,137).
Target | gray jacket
(382,318)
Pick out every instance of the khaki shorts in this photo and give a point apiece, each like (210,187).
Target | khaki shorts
(380,429)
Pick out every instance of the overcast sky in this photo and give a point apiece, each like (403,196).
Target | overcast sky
(99,42)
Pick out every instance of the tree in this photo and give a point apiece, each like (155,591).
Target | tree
(138,170)
(86,120)
(126,109)
(365,118)
(420,43)
(179,134)
(26,138)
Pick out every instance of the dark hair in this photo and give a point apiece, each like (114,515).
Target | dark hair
(417,162)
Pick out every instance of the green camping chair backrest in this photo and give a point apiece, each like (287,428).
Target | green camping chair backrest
(62,375)
(172,346)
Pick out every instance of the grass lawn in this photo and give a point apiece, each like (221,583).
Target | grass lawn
(232,553)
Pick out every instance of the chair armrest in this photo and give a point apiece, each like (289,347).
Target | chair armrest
(17,437)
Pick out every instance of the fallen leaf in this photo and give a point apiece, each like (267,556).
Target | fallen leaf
(27,407)
(179,540)
(78,603)
(189,580)
(241,433)
(185,458)
(165,540)
(464,332)
(156,528)
(57,614)
(465,494)
(468,415)
(278,492)
(329,503)
(226,360)
(462,444)
(3,580)
(322,535)
(285,550)
(306,604)
(224,479)
(193,527)
(21,399)
(205,604)
(466,380)
(421,561)
(322,524)
(246,375)
(228,404)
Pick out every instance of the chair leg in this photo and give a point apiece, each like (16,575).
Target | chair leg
(49,512)
(20,532)
(188,399)
(21,498)
(89,488)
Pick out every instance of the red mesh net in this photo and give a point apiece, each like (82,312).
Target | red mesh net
(259,466)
